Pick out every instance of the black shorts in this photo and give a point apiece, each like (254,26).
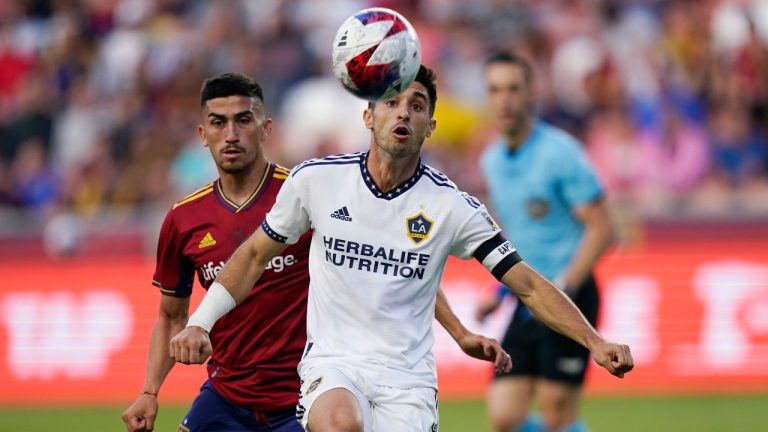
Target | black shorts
(539,351)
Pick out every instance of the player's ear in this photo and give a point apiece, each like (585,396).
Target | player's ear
(267,126)
(431,127)
(368,117)
(201,133)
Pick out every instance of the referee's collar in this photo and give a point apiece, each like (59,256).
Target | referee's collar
(527,142)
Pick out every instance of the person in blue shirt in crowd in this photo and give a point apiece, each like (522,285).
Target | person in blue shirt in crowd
(547,196)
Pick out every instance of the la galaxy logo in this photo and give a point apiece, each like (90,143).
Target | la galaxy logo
(419,227)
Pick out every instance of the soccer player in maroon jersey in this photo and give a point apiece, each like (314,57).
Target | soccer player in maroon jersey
(252,380)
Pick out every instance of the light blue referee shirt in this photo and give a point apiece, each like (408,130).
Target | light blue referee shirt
(532,191)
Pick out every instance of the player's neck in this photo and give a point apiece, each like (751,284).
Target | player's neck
(516,138)
(238,187)
(387,171)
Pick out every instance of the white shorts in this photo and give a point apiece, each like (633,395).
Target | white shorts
(383,408)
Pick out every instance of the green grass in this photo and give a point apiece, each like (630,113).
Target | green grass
(640,414)
(625,414)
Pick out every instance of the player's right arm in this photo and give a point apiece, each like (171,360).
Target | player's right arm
(171,319)
(556,310)
(234,282)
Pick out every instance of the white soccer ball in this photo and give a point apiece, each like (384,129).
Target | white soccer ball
(376,54)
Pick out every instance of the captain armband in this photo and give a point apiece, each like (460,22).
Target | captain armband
(497,255)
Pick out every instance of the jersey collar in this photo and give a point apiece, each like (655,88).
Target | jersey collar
(529,142)
(252,198)
(394,192)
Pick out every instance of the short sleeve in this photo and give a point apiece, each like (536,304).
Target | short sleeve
(579,181)
(174,274)
(475,227)
(289,218)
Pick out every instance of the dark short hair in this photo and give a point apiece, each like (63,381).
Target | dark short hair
(230,84)
(428,78)
(514,59)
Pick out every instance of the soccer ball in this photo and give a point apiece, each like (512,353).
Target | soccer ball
(376,54)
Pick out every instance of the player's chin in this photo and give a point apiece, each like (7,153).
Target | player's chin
(405,145)
(233,166)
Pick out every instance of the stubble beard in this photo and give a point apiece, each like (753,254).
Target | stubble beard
(398,149)
(518,125)
(235,167)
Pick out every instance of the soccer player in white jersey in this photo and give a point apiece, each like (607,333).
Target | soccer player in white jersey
(383,227)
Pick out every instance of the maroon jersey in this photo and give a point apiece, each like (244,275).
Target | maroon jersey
(258,344)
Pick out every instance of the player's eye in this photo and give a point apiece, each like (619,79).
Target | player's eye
(245,120)
(417,107)
(217,122)
(391,103)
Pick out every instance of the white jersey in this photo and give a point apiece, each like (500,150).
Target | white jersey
(376,261)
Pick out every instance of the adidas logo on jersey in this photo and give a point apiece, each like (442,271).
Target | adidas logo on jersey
(207,241)
(342,214)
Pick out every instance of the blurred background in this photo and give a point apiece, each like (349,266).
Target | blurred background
(99,104)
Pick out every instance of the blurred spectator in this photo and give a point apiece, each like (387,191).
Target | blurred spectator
(678,153)
(318,118)
(89,184)
(77,128)
(740,152)
(33,183)
(652,166)
(737,184)
(670,96)
(192,168)
(616,153)
(145,178)
(30,119)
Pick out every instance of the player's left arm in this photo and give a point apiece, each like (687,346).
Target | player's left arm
(598,235)
(556,310)
(474,345)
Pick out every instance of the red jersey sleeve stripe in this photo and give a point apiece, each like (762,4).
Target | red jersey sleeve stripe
(165,290)
(169,291)
(201,193)
(282,169)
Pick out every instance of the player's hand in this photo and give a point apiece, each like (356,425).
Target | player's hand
(191,346)
(140,416)
(486,307)
(483,348)
(615,358)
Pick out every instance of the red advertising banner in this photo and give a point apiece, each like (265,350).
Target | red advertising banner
(78,331)
(695,314)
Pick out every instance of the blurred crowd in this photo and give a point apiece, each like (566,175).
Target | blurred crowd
(99,99)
